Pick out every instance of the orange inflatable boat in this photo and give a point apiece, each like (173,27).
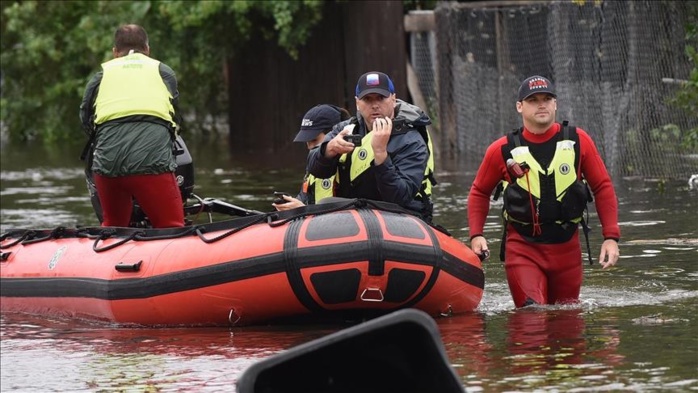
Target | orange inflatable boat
(349,259)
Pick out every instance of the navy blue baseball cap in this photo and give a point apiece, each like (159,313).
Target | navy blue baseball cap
(536,84)
(374,82)
(320,118)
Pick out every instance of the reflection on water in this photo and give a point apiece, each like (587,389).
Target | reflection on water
(554,347)
(543,349)
(633,331)
(104,358)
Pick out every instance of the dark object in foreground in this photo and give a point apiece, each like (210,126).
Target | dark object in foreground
(279,197)
(399,352)
(355,139)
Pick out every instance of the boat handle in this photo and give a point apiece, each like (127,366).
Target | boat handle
(233,317)
(128,267)
(5,256)
(372,295)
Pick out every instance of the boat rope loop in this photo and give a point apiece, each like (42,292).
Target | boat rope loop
(85,232)
(54,234)
(273,219)
(358,203)
(32,236)
(200,230)
(24,235)
(106,234)
(144,236)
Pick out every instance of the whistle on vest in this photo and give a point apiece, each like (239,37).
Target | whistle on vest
(515,169)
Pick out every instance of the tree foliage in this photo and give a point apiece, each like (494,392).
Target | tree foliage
(687,97)
(49,50)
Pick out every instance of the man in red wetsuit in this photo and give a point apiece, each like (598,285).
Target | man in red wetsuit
(545,168)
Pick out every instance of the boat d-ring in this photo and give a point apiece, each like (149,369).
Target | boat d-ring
(233,317)
(448,312)
(372,295)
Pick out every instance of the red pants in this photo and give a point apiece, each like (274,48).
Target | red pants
(543,273)
(157,195)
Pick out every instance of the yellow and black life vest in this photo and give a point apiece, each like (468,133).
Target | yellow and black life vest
(317,189)
(547,204)
(361,158)
(131,85)
(554,188)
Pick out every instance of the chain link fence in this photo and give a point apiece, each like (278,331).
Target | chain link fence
(615,64)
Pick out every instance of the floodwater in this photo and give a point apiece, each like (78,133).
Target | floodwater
(635,329)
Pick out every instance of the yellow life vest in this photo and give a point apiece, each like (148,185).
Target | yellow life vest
(553,196)
(525,200)
(362,156)
(429,179)
(318,189)
(132,85)
(562,166)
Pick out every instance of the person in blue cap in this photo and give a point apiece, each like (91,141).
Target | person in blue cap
(394,161)
(316,123)
(549,171)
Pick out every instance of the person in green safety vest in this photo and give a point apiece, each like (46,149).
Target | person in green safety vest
(129,112)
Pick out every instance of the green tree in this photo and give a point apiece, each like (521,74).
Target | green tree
(687,97)
(49,50)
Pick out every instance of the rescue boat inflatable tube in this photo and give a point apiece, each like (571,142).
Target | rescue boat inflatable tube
(341,260)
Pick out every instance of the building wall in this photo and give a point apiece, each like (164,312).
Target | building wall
(269,91)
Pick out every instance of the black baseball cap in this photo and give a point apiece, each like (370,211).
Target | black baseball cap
(374,82)
(536,84)
(320,118)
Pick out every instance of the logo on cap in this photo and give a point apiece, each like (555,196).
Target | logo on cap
(306,123)
(373,80)
(537,84)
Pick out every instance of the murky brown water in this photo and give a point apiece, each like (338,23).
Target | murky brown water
(635,329)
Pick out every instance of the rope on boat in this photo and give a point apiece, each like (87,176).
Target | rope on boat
(273,219)
(146,237)
(109,233)
(200,230)
(352,203)
(54,234)
(26,235)
(85,232)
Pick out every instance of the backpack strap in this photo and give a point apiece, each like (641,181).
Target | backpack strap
(586,230)
(567,131)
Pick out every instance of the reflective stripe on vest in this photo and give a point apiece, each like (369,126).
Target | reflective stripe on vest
(132,85)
